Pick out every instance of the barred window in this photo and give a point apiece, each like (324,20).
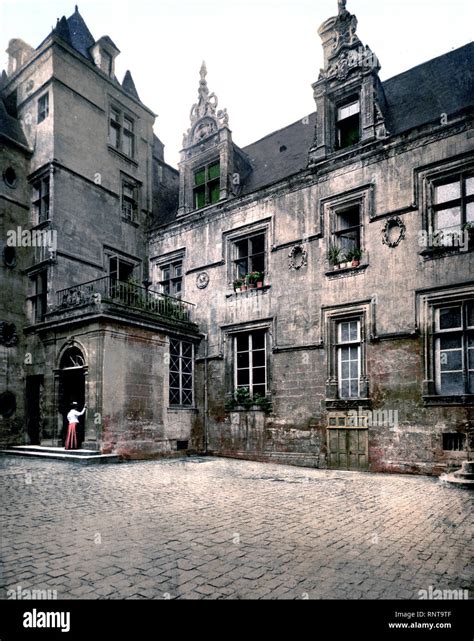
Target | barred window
(181,373)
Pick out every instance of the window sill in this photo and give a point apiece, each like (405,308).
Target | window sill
(438,399)
(181,408)
(347,271)
(130,222)
(119,153)
(241,408)
(432,254)
(348,403)
(251,291)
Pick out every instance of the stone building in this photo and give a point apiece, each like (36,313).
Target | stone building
(307,299)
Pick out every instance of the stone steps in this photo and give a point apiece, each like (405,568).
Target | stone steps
(84,457)
(461,478)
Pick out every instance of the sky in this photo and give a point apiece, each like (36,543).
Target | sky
(262,55)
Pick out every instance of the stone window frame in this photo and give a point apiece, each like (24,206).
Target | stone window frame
(427,303)
(227,335)
(135,201)
(38,299)
(42,107)
(191,405)
(331,317)
(111,252)
(363,197)
(41,198)
(428,177)
(160,262)
(118,125)
(232,236)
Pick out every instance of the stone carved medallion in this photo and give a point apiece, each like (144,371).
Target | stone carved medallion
(202,280)
(393,232)
(297,258)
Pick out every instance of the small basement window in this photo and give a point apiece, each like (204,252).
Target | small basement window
(348,125)
(181,445)
(454,441)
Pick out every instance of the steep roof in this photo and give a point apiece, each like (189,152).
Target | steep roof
(81,37)
(421,94)
(10,127)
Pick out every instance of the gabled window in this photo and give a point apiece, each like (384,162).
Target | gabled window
(206,189)
(348,125)
(43,107)
(454,348)
(40,200)
(453,204)
(348,351)
(249,255)
(171,282)
(181,373)
(121,132)
(250,361)
(129,201)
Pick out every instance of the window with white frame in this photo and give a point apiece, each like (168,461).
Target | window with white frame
(171,278)
(454,348)
(181,373)
(40,200)
(121,132)
(250,362)
(453,203)
(43,107)
(348,353)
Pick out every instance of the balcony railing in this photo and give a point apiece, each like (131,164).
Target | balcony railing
(109,289)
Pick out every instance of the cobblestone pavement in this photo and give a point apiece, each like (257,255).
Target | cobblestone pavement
(198,528)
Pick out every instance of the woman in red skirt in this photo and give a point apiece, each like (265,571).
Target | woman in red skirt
(73,420)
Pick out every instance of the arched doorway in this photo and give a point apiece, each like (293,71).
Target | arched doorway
(72,376)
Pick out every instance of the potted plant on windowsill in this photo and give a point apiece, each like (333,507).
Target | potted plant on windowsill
(347,259)
(356,256)
(243,398)
(238,285)
(255,279)
(334,256)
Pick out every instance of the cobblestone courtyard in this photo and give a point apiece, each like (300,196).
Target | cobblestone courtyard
(197,528)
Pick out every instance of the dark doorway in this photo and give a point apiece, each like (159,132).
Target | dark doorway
(71,388)
(34,393)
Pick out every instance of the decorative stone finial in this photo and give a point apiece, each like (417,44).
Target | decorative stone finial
(205,119)
(341,4)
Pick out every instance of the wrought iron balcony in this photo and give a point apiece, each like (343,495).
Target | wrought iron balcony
(111,290)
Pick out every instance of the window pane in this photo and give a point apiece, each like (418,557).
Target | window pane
(344,369)
(214,192)
(259,389)
(187,397)
(243,377)
(345,389)
(348,218)
(165,273)
(348,110)
(258,358)
(258,340)
(241,247)
(343,332)
(242,342)
(187,381)
(451,191)
(257,263)
(174,347)
(257,244)
(199,177)
(214,171)
(187,349)
(174,397)
(470,212)
(187,366)
(353,331)
(242,360)
(174,379)
(178,269)
(449,219)
(452,383)
(450,317)
(259,375)
(451,361)
(241,266)
(199,197)
(354,388)
(470,186)
(470,314)
(450,342)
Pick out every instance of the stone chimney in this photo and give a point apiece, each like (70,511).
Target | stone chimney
(19,52)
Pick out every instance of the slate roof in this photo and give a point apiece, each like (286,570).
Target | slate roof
(81,37)
(10,127)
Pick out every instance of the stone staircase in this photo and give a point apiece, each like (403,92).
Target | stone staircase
(83,457)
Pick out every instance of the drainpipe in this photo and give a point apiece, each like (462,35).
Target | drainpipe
(206,346)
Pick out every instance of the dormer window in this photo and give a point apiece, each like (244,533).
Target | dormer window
(207,185)
(348,125)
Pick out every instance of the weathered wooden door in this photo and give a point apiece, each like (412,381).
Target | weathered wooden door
(348,448)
